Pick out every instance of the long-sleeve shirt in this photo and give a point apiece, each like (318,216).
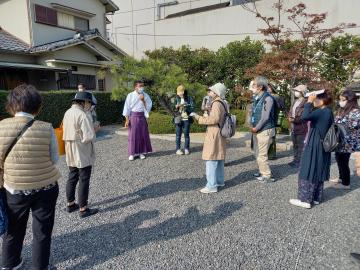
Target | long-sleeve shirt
(134,104)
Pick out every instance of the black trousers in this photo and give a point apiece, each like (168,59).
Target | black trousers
(298,145)
(342,160)
(42,205)
(81,176)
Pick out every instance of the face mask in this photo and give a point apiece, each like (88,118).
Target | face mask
(140,90)
(297,94)
(342,103)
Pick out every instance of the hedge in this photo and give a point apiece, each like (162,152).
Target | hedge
(161,123)
(55,104)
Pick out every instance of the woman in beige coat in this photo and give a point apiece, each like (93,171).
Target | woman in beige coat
(79,135)
(214,145)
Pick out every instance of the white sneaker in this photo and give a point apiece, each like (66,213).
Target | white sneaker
(299,203)
(341,186)
(187,152)
(206,190)
(335,180)
(264,179)
(179,152)
(142,156)
(131,158)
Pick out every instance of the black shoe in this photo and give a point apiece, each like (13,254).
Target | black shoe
(50,267)
(88,212)
(355,257)
(17,267)
(72,208)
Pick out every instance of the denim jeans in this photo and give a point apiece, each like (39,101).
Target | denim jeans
(214,173)
(183,126)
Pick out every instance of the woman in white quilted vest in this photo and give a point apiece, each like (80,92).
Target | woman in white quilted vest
(28,153)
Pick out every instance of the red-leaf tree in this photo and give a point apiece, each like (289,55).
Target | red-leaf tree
(293,50)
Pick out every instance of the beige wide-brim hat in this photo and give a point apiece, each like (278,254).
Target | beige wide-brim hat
(180,90)
(301,88)
(219,89)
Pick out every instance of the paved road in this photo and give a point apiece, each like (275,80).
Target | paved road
(153,217)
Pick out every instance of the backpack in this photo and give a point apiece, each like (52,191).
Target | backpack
(228,126)
(334,137)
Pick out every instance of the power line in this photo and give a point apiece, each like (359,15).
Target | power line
(153,7)
(214,34)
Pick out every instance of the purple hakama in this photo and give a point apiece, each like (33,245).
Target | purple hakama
(138,138)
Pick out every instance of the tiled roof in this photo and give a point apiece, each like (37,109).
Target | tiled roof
(9,42)
(78,38)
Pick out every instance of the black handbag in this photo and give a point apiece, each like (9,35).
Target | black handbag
(3,214)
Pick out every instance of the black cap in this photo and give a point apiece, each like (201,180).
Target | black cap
(83,96)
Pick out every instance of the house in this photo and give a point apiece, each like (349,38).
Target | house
(56,44)
(142,25)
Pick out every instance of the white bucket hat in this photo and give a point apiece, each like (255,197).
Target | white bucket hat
(219,89)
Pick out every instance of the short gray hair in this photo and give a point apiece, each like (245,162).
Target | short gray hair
(261,81)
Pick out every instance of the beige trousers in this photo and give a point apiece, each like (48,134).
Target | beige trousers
(262,142)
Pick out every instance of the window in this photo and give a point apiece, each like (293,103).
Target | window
(240,2)
(81,24)
(45,15)
(101,85)
(52,17)
(65,20)
(71,81)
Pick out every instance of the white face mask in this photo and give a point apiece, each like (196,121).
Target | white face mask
(140,90)
(342,103)
(297,94)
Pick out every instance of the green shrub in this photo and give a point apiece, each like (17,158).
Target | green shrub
(160,123)
(55,104)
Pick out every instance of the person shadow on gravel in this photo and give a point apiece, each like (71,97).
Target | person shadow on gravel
(93,246)
(155,190)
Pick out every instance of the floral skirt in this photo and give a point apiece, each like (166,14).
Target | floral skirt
(310,192)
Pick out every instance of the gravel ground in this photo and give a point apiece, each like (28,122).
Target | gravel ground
(153,217)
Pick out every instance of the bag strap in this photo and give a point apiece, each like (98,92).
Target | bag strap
(226,111)
(16,139)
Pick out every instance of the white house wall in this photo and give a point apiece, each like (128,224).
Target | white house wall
(43,33)
(77,53)
(14,18)
(127,28)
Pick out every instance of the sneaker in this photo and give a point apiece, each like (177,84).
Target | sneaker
(316,202)
(206,190)
(88,212)
(222,185)
(131,158)
(257,175)
(19,266)
(72,208)
(187,152)
(142,156)
(335,180)
(341,186)
(355,257)
(299,203)
(179,152)
(266,179)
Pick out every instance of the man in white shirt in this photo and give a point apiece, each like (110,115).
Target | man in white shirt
(136,109)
